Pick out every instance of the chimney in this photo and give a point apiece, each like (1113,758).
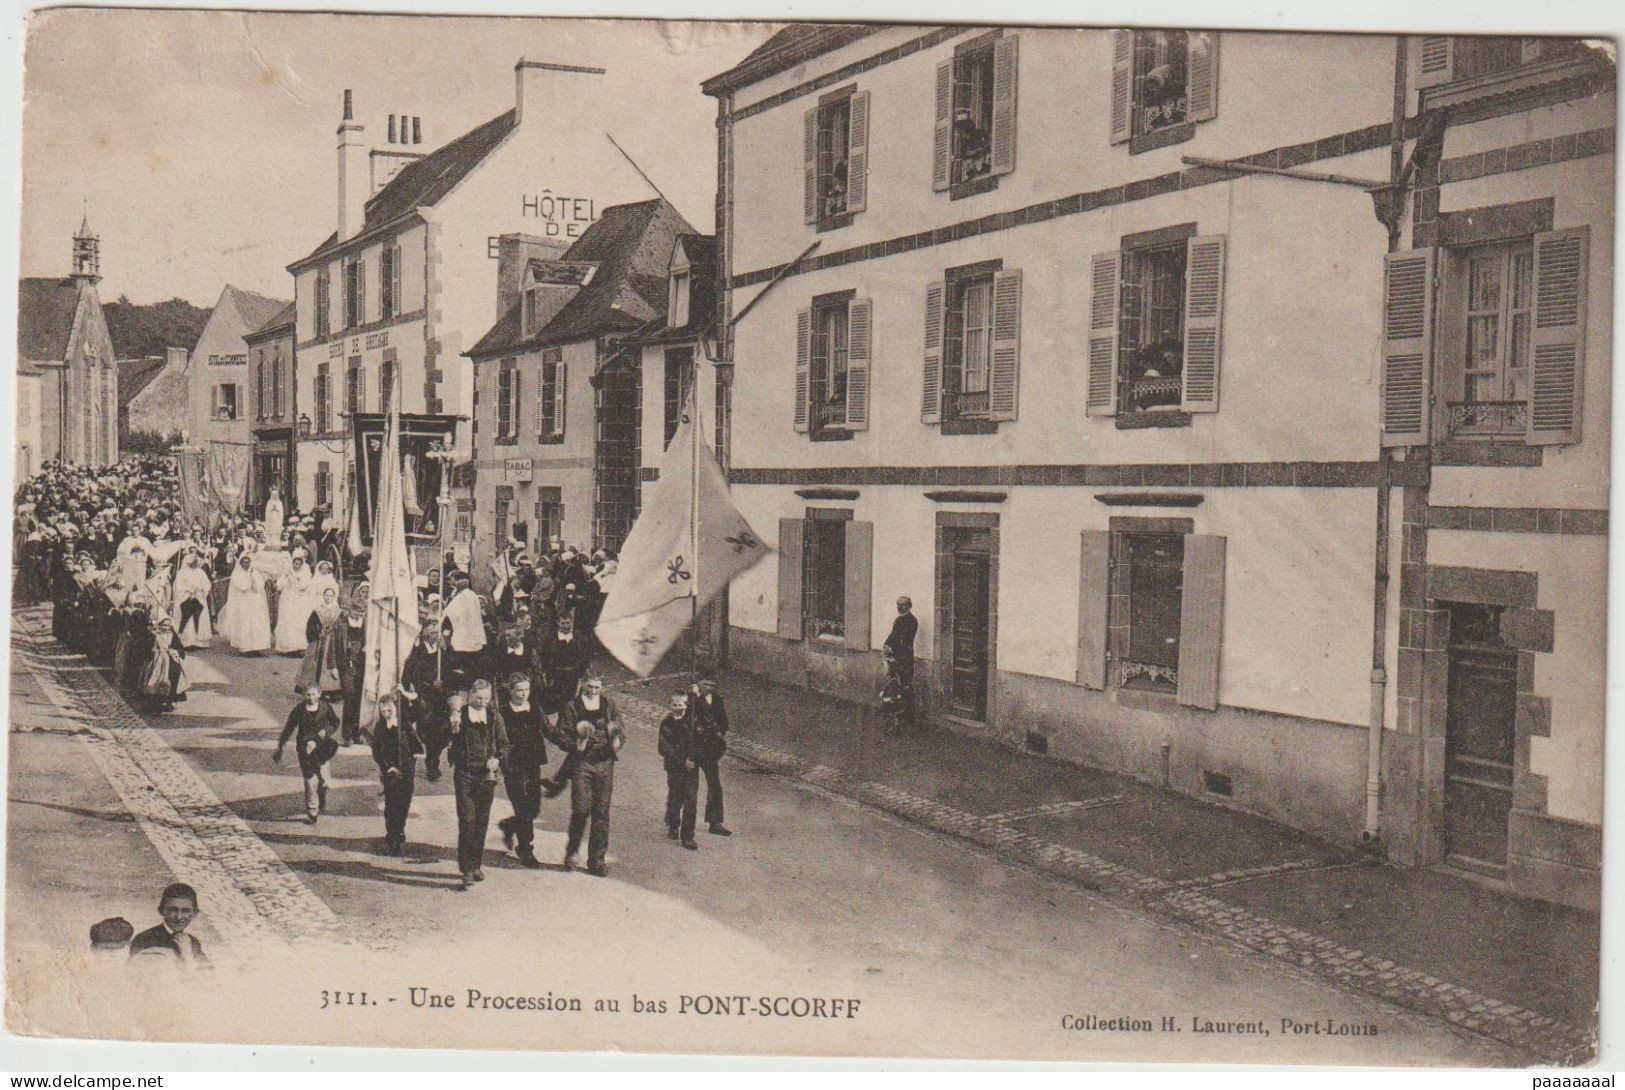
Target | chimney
(417,130)
(391,128)
(537,81)
(353,179)
(514,254)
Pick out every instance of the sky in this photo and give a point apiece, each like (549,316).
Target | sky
(201,144)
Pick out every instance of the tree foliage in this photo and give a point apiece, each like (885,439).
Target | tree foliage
(146,330)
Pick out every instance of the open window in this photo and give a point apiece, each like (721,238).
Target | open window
(550,401)
(973,347)
(1154,326)
(1162,82)
(835,154)
(976,115)
(833,343)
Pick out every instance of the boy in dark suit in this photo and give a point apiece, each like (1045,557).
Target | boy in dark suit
(179,907)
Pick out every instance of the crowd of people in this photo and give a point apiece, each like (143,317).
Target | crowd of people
(492,681)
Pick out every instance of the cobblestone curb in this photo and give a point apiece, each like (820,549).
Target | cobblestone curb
(256,905)
(1545,1040)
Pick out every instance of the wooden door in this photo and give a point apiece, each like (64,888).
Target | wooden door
(1479,745)
(970,634)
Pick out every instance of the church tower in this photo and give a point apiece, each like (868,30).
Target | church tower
(87,258)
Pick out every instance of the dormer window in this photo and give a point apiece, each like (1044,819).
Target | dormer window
(677,306)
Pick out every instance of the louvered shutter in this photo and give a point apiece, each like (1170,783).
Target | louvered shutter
(809,166)
(399,304)
(942,151)
(1204,313)
(1004,387)
(859,348)
(386,281)
(803,364)
(857,154)
(790,546)
(1558,369)
(1435,60)
(360,292)
(1201,620)
(1101,399)
(1094,592)
(546,404)
(561,388)
(860,552)
(1202,89)
(541,402)
(1407,346)
(1005,53)
(931,397)
(1122,104)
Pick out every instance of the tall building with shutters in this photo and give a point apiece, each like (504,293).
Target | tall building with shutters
(1077,339)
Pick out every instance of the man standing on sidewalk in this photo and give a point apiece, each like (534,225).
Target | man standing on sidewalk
(901,643)
(479,742)
(710,743)
(312,725)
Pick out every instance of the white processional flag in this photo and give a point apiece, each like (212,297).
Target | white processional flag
(667,571)
(392,604)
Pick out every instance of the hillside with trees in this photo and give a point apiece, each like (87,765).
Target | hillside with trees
(148,329)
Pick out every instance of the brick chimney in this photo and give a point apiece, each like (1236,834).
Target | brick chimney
(353,173)
(541,84)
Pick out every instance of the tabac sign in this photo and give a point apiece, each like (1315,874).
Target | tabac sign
(519,469)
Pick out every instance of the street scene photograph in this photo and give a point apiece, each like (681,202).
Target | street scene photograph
(810,539)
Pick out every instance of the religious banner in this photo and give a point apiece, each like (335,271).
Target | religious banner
(195,501)
(226,472)
(392,601)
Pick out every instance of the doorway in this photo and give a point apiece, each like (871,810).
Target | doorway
(1479,740)
(969,628)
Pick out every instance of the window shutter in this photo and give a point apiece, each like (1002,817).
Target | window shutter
(543,402)
(860,553)
(1558,371)
(1122,108)
(1203,82)
(1103,320)
(809,166)
(1094,592)
(360,292)
(395,280)
(384,301)
(931,400)
(1204,311)
(1201,620)
(517,412)
(790,546)
(857,154)
(940,150)
(1436,60)
(1407,346)
(859,346)
(561,388)
(803,364)
(1003,389)
(1005,52)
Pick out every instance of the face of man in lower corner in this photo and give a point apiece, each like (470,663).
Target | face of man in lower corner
(178,913)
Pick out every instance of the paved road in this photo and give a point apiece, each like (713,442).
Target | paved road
(949,948)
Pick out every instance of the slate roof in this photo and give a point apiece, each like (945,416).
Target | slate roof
(281,318)
(786,49)
(425,181)
(702,260)
(136,375)
(256,309)
(45,310)
(631,245)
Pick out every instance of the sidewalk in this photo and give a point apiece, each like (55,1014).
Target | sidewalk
(1517,970)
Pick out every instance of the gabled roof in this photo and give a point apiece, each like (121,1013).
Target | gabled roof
(137,374)
(791,46)
(630,244)
(423,182)
(254,308)
(45,309)
(278,321)
(701,251)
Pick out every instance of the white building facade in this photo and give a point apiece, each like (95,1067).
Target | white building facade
(1111,418)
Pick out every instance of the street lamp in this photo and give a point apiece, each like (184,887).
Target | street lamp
(304,425)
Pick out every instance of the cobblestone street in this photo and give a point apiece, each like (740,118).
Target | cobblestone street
(959,930)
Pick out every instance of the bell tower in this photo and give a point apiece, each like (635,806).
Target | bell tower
(87,257)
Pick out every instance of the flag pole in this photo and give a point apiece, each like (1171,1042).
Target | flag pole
(694,525)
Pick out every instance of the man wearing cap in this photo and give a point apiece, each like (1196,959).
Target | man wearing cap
(710,743)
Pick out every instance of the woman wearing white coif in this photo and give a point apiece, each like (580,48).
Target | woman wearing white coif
(294,607)
(322,580)
(190,606)
(246,620)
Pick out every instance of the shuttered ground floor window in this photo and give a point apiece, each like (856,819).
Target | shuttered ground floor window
(549,514)
(824,579)
(826,565)
(1155,584)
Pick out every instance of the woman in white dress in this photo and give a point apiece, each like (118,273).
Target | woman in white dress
(190,604)
(246,621)
(294,603)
